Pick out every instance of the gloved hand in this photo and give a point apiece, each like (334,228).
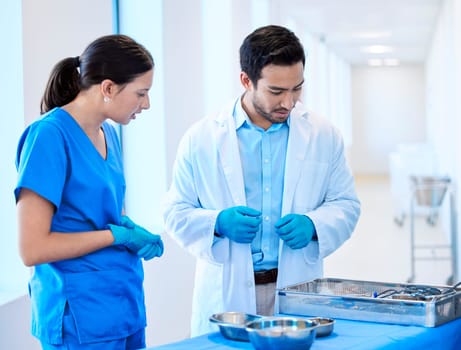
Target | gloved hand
(151,251)
(239,224)
(296,230)
(137,239)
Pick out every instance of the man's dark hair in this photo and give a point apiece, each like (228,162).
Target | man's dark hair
(269,45)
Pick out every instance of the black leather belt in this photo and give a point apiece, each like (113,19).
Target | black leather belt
(267,276)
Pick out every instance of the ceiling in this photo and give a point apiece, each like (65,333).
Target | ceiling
(346,26)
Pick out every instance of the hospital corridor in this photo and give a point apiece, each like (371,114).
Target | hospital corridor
(370,96)
(380,250)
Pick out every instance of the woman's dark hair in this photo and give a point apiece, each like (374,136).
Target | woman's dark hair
(115,57)
(269,45)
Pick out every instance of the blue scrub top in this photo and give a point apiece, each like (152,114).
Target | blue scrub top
(103,290)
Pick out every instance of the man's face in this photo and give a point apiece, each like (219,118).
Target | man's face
(275,95)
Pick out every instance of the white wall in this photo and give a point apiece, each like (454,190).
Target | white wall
(54,30)
(443,70)
(388,108)
(15,326)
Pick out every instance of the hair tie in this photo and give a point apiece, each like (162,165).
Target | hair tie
(77,61)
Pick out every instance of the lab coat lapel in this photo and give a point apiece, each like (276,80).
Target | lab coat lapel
(229,156)
(240,269)
(298,141)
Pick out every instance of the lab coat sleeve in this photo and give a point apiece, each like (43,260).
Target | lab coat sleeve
(337,215)
(191,225)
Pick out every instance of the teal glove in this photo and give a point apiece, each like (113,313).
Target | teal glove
(137,239)
(296,230)
(151,251)
(239,224)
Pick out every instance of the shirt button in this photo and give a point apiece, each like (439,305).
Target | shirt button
(250,284)
(266,218)
(267,189)
(266,161)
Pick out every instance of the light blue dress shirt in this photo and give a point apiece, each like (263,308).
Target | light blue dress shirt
(263,154)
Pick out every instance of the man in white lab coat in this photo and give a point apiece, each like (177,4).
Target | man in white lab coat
(261,192)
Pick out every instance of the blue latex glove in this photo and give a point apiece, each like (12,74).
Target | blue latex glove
(137,239)
(239,224)
(296,230)
(151,251)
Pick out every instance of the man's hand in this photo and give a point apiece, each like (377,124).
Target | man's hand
(239,224)
(296,230)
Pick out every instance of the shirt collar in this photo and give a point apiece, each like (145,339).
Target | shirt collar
(240,115)
(243,120)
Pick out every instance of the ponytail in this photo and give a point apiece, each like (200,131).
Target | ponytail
(63,85)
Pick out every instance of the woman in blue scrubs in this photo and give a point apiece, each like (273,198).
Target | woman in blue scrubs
(87,283)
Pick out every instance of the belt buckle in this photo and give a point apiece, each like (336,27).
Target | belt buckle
(267,276)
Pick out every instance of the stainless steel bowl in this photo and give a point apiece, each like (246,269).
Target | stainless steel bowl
(282,333)
(430,190)
(232,325)
(325,326)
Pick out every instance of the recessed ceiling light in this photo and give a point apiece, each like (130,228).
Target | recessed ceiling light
(377,49)
(375,62)
(373,35)
(391,62)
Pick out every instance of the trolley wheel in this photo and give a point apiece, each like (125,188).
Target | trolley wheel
(432,219)
(398,220)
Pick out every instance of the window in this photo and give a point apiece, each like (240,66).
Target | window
(13,273)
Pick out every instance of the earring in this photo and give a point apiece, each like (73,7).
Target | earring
(106,99)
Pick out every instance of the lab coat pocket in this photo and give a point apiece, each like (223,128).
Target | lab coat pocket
(311,252)
(106,305)
(311,188)
(220,251)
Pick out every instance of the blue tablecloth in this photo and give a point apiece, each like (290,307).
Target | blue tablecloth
(351,335)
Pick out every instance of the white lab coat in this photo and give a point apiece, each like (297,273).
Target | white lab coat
(208,178)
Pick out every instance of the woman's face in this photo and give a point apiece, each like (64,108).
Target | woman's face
(131,99)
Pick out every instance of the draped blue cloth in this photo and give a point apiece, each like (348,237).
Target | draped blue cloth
(350,335)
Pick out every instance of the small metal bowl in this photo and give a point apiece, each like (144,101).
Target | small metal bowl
(282,333)
(325,326)
(232,325)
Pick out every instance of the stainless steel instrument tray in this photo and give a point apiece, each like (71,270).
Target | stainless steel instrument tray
(366,301)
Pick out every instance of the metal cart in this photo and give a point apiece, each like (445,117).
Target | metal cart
(429,191)
(407,160)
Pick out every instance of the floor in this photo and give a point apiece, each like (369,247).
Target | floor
(380,249)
